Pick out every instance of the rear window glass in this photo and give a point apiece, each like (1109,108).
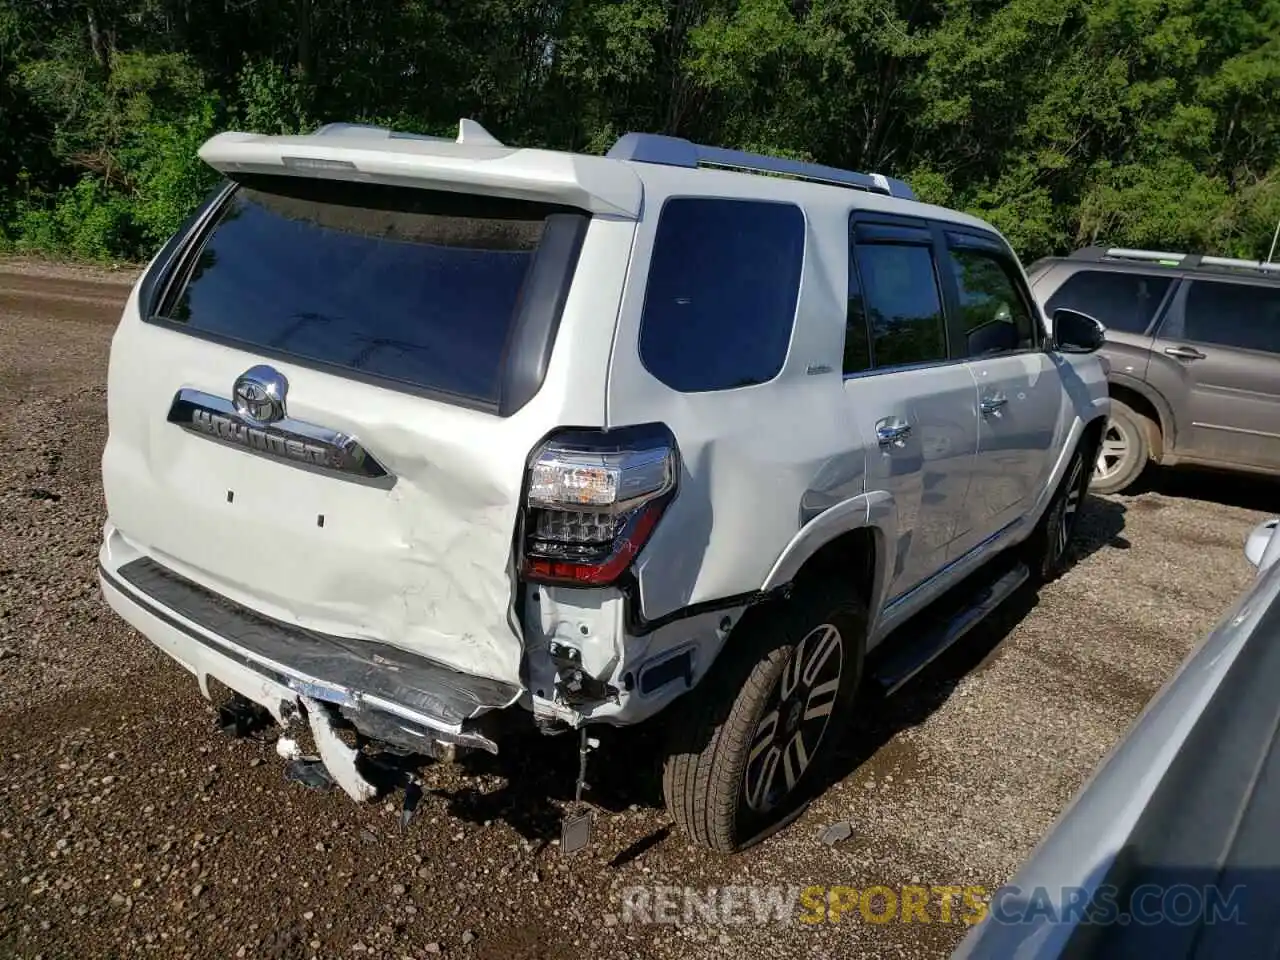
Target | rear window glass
(721,297)
(1121,301)
(394,283)
(1232,315)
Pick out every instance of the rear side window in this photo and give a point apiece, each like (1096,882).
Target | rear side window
(903,309)
(415,286)
(1233,315)
(1121,301)
(993,313)
(721,297)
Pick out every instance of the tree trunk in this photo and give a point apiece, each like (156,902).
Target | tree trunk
(100,44)
(305,55)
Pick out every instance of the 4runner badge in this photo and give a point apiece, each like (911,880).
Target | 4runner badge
(258,394)
(256,420)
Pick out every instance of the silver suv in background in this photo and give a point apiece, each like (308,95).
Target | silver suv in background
(428,437)
(1171,848)
(1194,349)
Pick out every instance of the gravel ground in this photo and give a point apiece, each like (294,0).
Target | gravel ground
(129,826)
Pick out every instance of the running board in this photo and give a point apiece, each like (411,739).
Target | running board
(908,659)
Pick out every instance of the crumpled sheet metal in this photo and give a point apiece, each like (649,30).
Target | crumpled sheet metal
(424,566)
(336,668)
(339,759)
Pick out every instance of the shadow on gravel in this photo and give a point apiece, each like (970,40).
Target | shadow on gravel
(880,718)
(539,772)
(1243,490)
(1101,525)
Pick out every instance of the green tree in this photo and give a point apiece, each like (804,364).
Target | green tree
(1064,122)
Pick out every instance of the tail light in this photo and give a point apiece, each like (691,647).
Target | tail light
(594,500)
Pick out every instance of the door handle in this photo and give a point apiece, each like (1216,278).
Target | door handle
(992,404)
(892,431)
(1184,353)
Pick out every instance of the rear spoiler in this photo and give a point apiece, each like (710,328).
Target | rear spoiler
(476,161)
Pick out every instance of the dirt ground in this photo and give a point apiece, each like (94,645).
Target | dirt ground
(130,827)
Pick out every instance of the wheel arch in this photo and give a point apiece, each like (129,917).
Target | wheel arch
(1092,431)
(1144,399)
(1088,441)
(855,536)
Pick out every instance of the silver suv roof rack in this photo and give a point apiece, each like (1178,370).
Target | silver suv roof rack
(1184,260)
(1125,253)
(678,152)
(1239,264)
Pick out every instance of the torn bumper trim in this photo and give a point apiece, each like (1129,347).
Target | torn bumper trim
(356,675)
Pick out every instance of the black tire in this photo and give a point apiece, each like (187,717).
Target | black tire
(1046,548)
(715,780)
(1125,450)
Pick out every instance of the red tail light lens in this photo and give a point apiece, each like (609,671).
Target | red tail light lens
(594,500)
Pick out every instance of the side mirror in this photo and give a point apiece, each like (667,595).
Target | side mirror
(1262,549)
(1076,332)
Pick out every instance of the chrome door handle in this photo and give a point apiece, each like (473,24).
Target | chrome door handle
(892,430)
(992,403)
(1184,353)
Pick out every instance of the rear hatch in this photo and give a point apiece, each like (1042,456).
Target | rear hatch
(323,407)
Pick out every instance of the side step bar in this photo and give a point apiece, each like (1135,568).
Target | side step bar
(908,659)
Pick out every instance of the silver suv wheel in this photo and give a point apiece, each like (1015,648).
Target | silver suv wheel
(1125,449)
(1114,454)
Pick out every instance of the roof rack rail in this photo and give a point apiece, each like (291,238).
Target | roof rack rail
(1124,253)
(1184,260)
(1239,264)
(469,132)
(678,152)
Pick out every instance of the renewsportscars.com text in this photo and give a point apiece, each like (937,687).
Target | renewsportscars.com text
(914,903)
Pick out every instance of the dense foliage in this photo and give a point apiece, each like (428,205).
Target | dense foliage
(1149,123)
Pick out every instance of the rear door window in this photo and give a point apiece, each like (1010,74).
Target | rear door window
(720,303)
(899,302)
(1232,315)
(1126,302)
(400,284)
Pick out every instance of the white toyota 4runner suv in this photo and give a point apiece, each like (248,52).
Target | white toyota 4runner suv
(422,437)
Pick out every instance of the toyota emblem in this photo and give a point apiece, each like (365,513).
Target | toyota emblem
(258,394)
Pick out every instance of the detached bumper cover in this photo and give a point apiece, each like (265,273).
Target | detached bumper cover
(356,675)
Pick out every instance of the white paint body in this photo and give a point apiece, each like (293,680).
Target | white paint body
(770,472)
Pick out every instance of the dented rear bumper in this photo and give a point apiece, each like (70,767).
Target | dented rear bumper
(387,693)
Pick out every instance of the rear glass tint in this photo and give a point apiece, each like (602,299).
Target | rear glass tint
(903,303)
(721,297)
(1121,301)
(416,286)
(1232,315)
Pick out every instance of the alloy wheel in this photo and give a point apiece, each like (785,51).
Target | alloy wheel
(795,719)
(1113,452)
(1066,520)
